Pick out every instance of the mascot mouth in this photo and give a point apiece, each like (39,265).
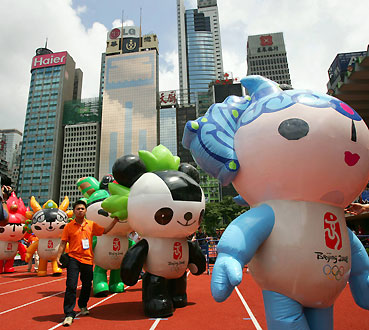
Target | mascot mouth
(187,224)
(50,229)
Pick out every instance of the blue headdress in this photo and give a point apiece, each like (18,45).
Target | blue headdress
(211,138)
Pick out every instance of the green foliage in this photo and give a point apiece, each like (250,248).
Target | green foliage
(221,214)
(117,203)
(159,159)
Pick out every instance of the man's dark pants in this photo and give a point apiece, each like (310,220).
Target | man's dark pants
(74,268)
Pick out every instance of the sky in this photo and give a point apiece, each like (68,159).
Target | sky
(315,31)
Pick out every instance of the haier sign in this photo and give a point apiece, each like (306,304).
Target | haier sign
(42,61)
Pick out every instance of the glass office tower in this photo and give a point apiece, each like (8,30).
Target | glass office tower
(199,48)
(53,79)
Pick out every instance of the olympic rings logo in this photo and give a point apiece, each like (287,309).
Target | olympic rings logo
(333,272)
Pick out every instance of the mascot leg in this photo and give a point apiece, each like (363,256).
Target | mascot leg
(2,266)
(42,267)
(319,318)
(177,290)
(8,266)
(56,270)
(155,296)
(100,282)
(283,313)
(115,282)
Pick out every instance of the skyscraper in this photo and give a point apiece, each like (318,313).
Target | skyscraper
(199,48)
(81,156)
(266,56)
(53,80)
(11,144)
(130,96)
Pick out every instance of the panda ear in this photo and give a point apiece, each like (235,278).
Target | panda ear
(190,171)
(105,181)
(127,169)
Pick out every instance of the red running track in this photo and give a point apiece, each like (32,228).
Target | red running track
(31,302)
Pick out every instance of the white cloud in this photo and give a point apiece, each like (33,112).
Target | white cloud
(118,23)
(314,32)
(168,71)
(25,26)
(81,9)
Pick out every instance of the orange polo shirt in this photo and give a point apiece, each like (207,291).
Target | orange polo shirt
(73,233)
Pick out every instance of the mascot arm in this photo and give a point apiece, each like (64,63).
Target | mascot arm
(237,246)
(133,262)
(31,250)
(22,251)
(197,261)
(359,276)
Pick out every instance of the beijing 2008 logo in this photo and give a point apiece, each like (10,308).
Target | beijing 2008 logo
(332,231)
(50,244)
(116,244)
(177,251)
(333,272)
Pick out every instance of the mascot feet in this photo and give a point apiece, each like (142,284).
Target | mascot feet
(101,289)
(157,308)
(57,273)
(9,270)
(116,287)
(179,301)
(41,273)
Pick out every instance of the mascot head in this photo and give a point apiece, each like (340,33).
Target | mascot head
(158,196)
(49,220)
(287,145)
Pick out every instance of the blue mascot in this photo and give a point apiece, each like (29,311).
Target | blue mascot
(298,158)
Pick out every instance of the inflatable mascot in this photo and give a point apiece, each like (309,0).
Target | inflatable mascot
(110,248)
(48,223)
(162,201)
(298,158)
(11,233)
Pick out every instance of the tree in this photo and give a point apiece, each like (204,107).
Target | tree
(221,214)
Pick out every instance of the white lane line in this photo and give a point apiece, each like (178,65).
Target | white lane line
(21,279)
(256,324)
(32,302)
(155,324)
(32,286)
(89,308)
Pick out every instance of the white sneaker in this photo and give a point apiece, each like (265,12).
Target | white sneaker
(68,321)
(84,311)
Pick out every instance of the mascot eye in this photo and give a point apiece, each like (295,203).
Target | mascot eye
(164,215)
(201,217)
(2,230)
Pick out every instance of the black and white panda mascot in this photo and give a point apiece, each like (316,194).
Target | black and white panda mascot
(163,202)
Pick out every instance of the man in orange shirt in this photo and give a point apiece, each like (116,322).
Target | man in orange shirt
(78,233)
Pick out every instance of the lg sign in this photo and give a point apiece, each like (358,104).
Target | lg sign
(42,61)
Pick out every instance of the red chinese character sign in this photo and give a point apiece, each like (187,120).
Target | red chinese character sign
(168,98)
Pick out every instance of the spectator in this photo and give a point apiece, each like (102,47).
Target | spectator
(357,208)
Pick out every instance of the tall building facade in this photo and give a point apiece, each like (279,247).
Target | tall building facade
(81,150)
(130,95)
(13,138)
(349,81)
(267,57)
(199,48)
(168,120)
(53,80)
